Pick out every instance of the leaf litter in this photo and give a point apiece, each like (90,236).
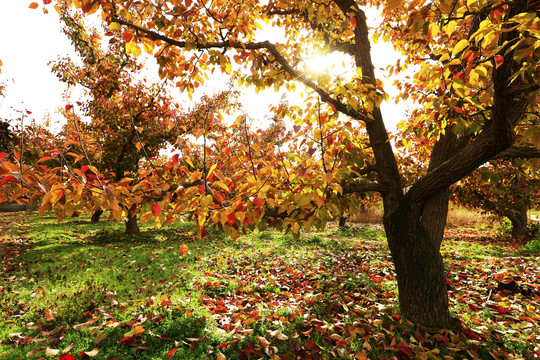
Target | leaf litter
(263,297)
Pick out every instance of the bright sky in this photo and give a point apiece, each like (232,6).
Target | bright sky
(31,39)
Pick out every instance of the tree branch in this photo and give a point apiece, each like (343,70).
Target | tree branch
(523,152)
(263,45)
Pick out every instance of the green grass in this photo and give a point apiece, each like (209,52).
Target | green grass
(74,287)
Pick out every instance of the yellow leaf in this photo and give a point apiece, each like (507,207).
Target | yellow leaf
(462,44)
(212,168)
(221,184)
(227,67)
(206,200)
(139,329)
(148,47)
(449,28)
(114,26)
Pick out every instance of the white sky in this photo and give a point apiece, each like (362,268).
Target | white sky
(30,39)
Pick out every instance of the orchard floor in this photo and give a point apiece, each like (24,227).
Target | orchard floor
(75,290)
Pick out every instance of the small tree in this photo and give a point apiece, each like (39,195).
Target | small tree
(503,188)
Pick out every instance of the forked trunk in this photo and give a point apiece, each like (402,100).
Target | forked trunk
(421,277)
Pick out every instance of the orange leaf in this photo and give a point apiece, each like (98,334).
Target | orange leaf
(33,5)
(48,314)
(171,353)
(183,249)
(127,35)
(499,60)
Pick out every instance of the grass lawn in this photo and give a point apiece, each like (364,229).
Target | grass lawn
(75,290)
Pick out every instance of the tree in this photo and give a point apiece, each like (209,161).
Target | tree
(502,188)
(480,59)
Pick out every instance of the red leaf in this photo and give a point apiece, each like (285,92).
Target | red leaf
(68,107)
(166,303)
(404,348)
(231,219)
(67,357)
(128,341)
(127,35)
(171,353)
(353,21)
(499,60)
(473,307)
(47,2)
(258,202)
(156,210)
(8,178)
(3,155)
(183,249)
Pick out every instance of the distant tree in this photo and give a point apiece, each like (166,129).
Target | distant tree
(504,188)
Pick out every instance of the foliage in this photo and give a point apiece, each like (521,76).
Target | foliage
(79,287)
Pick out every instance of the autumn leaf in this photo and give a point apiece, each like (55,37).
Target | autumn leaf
(51,352)
(460,46)
(499,60)
(128,35)
(33,5)
(92,353)
(67,357)
(171,353)
(258,202)
(156,210)
(48,314)
(183,249)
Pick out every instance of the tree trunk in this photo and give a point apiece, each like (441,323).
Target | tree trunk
(132,227)
(342,221)
(421,278)
(95,216)
(518,218)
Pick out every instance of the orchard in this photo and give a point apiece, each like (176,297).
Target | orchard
(476,82)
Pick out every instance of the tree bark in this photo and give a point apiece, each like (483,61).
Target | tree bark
(421,278)
(95,216)
(519,219)
(132,226)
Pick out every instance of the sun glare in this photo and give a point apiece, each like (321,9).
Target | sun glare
(319,63)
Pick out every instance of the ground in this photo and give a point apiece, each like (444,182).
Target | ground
(76,290)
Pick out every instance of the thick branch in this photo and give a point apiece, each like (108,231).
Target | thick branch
(514,152)
(358,188)
(263,45)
